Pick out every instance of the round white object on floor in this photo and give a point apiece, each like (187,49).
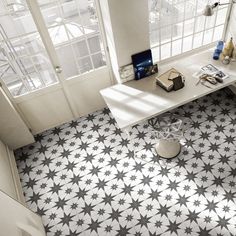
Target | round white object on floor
(168,148)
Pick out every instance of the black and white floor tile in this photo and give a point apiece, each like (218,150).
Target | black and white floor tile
(84,177)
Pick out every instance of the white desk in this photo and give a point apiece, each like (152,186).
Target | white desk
(135,101)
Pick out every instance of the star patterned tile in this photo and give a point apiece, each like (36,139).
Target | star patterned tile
(87,177)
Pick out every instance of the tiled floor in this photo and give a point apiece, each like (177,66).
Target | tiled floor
(84,179)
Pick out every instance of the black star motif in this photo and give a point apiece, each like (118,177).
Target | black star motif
(108,199)
(101,184)
(223,222)
(55,188)
(173,227)
(65,153)
(123,231)
(192,216)
(138,166)
(43,149)
(87,209)
(135,204)
(144,220)
(27,169)
(35,197)
(115,214)
(163,210)
(211,206)
(146,180)
(61,142)
(31,183)
(127,189)
(154,195)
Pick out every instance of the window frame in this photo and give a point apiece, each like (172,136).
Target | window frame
(157,47)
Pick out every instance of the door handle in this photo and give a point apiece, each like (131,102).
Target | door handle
(58,69)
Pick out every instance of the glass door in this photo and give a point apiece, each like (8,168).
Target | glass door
(24,62)
(74,29)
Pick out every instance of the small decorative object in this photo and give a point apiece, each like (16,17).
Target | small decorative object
(218,50)
(126,73)
(228,49)
(170,80)
(226,60)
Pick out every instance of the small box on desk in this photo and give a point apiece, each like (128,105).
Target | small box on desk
(170,80)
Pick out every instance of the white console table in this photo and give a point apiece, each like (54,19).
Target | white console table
(135,101)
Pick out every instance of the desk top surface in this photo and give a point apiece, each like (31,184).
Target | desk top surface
(138,100)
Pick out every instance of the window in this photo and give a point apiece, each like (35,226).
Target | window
(178,26)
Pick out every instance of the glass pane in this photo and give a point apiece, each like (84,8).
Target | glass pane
(165,51)
(190,9)
(94,44)
(88,15)
(208,36)
(51,13)
(165,34)
(197,41)
(98,60)
(210,21)
(85,64)
(177,30)
(218,33)
(154,37)
(176,47)
(166,13)
(34,81)
(188,27)
(16,25)
(81,49)
(187,43)
(33,44)
(48,77)
(28,65)
(156,54)
(66,57)
(178,12)
(19,46)
(15,86)
(200,22)
(221,16)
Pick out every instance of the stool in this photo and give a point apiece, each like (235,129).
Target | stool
(168,129)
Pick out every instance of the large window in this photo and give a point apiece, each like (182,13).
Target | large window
(178,26)
(74,31)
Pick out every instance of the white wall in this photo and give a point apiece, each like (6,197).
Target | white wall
(127,29)
(13,130)
(9,177)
